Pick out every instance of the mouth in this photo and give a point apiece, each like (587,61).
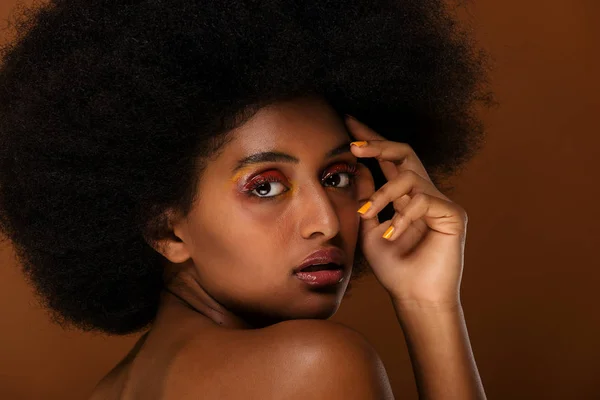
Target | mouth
(322,267)
(330,258)
(322,275)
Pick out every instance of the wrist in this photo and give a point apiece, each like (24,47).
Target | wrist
(430,322)
(429,306)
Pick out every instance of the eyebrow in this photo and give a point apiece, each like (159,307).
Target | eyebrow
(276,156)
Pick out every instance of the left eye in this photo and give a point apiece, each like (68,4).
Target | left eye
(339,179)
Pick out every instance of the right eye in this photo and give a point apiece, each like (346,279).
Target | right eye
(262,189)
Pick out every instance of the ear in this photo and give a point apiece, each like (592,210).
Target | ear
(174,243)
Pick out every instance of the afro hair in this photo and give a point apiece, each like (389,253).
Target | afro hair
(110,108)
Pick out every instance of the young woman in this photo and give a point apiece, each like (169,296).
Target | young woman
(184,168)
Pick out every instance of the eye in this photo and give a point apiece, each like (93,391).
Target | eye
(267,185)
(338,180)
(263,189)
(341,176)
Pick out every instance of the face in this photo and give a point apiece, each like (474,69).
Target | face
(255,221)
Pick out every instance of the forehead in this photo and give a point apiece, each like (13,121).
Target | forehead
(294,126)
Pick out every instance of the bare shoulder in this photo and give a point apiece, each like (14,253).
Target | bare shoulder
(317,332)
(336,361)
(298,359)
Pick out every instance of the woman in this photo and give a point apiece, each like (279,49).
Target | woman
(185,169)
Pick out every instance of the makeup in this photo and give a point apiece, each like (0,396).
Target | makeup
(345,173)
(322,278)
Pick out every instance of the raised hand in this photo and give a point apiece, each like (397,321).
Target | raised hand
(417,255)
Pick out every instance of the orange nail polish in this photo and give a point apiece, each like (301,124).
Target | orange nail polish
(388,233)
(362,143)
(365,207)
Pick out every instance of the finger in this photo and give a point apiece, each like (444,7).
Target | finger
(407,183)
(389,168)
(438,214)
(362,132)
(401,202)
(396,156)
(389,160)
(365,189)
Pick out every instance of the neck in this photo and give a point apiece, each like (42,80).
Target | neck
(184,288)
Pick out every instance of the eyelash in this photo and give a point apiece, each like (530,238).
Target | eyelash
(350,169)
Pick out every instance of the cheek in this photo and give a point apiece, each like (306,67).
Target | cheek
(266,228)
(350,223)
(238,235)
(348,215)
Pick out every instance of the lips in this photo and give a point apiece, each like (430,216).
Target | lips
(324,259)
(321,267)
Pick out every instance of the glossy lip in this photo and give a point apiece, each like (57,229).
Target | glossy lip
(323,256)
(322,278)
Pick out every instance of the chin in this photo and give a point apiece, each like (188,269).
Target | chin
(321,304)
(311,303)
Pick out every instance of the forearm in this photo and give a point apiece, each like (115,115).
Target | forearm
(440,352)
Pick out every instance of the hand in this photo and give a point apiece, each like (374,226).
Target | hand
(421,263)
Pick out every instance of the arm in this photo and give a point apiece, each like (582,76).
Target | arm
(440,352)
(418,258)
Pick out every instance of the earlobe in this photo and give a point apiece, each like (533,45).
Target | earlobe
(173,245)
(174,250)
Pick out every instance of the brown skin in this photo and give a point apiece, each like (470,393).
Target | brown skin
(237,252)
(235,322)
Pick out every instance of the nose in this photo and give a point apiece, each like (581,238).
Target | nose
(317,213)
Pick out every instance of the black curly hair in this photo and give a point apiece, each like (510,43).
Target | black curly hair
(109,109)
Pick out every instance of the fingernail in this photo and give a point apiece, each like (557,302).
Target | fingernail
(365,207)
(362,143)
(388,233)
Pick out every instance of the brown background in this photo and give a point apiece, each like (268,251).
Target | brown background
(530,289)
